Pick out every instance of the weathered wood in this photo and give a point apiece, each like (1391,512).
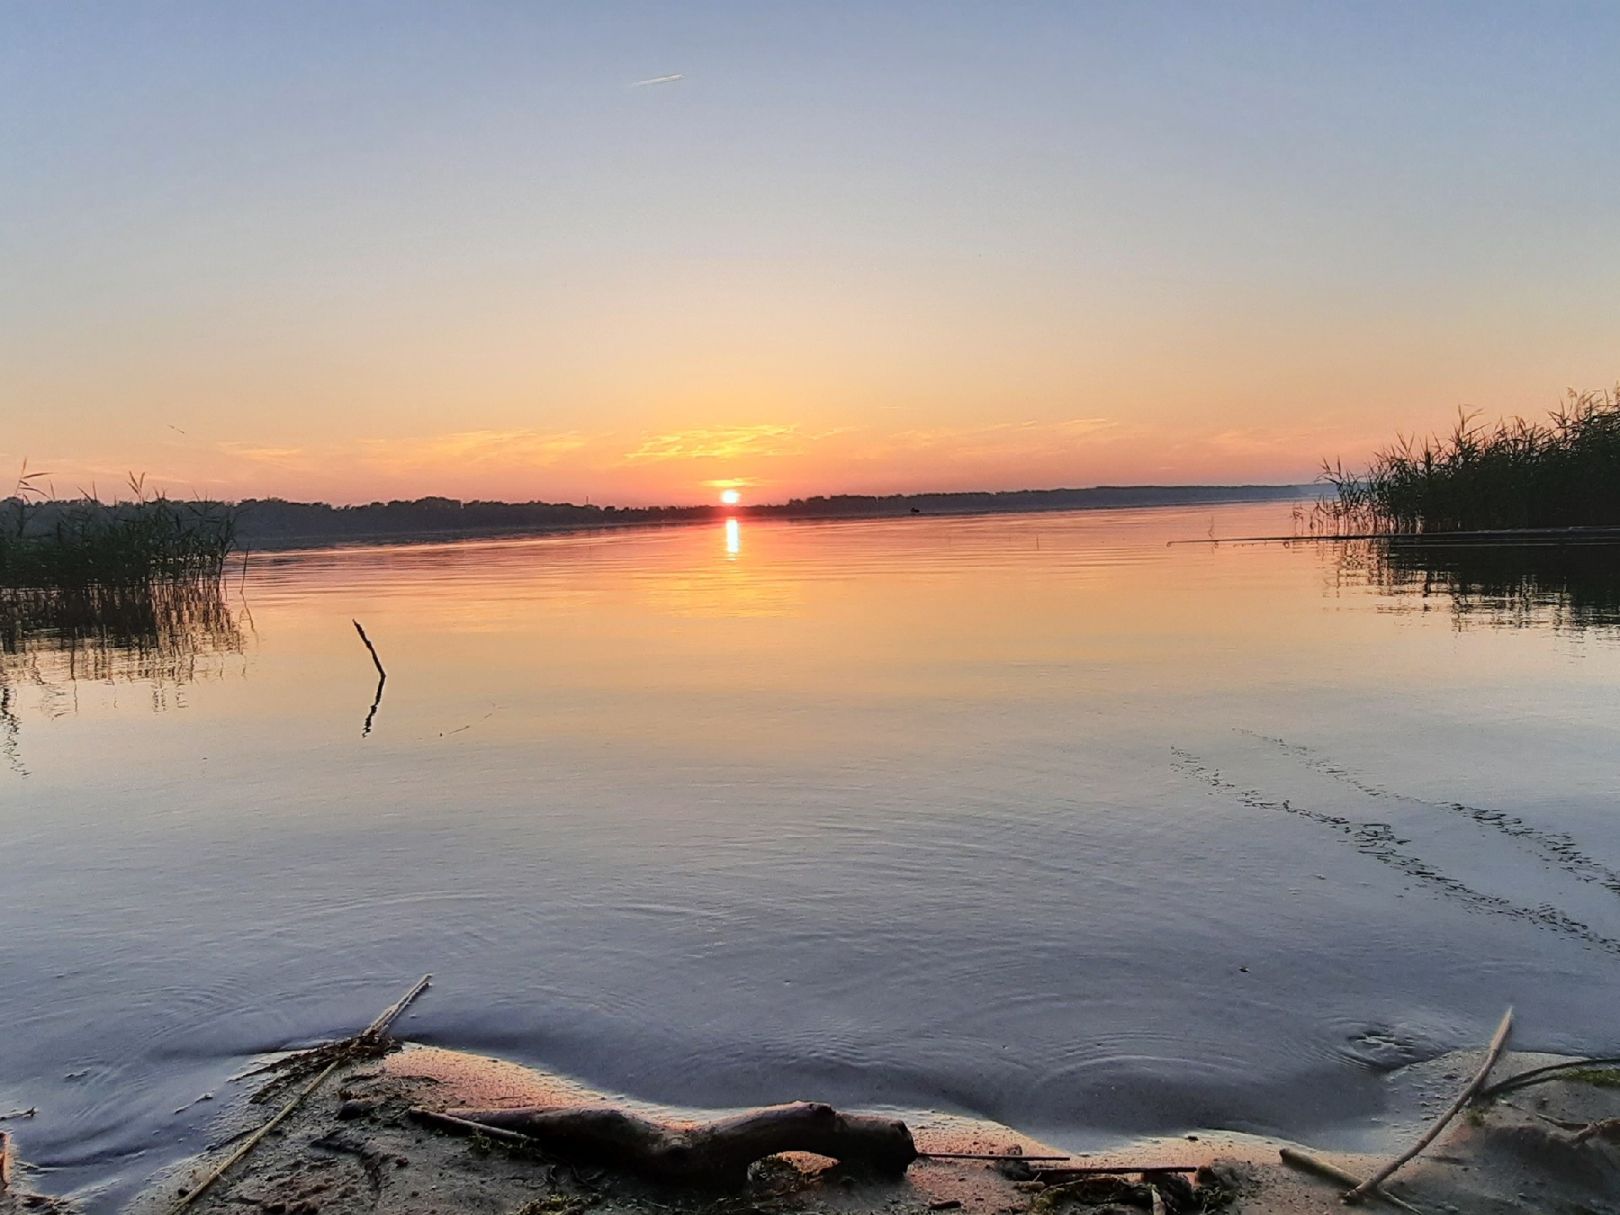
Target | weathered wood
(389,1015)
(5,1160)
(1492,1053)
(712,1153)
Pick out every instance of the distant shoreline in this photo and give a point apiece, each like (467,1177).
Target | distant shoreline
(350,527)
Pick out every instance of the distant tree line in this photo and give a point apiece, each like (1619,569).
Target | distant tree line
(81,530)
(263,523)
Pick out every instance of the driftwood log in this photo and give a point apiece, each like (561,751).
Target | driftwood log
(713,1153)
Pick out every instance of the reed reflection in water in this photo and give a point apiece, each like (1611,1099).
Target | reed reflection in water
(1568,586)
(165,635)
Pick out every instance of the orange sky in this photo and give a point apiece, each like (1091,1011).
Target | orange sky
(311,253)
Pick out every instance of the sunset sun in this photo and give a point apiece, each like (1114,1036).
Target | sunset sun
(730,497)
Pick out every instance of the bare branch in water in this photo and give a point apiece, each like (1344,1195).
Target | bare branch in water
(382,678)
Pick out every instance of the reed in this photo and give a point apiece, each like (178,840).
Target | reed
(1561,472)
(83,544)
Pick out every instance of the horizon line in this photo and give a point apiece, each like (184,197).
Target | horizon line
(83,496)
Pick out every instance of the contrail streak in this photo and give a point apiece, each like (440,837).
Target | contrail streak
(659,80)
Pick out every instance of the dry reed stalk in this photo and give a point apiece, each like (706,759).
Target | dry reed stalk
(1492,1053)
(369,1036)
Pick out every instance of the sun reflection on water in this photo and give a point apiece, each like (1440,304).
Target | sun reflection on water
(733,539)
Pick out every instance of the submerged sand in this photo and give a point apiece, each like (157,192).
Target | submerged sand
(351,1149)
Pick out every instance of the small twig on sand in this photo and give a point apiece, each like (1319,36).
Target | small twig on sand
(1540,1075)
(466,1126)
(1608,1129)
(1070,1173)
(988,1156)
(1492,1053)
(1310,1164)
(370,1036)
(252,1140)
(27,1113)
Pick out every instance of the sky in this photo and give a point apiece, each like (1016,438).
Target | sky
(642,252)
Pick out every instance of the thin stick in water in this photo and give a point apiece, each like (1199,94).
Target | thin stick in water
(1492,1053)
(380,1026)
(376,703)
(382,678)
(382,673)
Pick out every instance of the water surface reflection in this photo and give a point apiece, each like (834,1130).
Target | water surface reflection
(1029,817)
(164,637)
(1565,586)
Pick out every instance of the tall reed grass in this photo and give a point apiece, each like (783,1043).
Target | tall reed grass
(74,545)
(1561,472)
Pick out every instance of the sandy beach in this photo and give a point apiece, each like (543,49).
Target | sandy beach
(353,1148)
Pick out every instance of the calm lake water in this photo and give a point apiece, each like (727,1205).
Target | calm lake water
(1027,817)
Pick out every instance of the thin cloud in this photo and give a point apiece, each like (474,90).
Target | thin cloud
(474,447)
(718,443)
(262,455)
(1001,439)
